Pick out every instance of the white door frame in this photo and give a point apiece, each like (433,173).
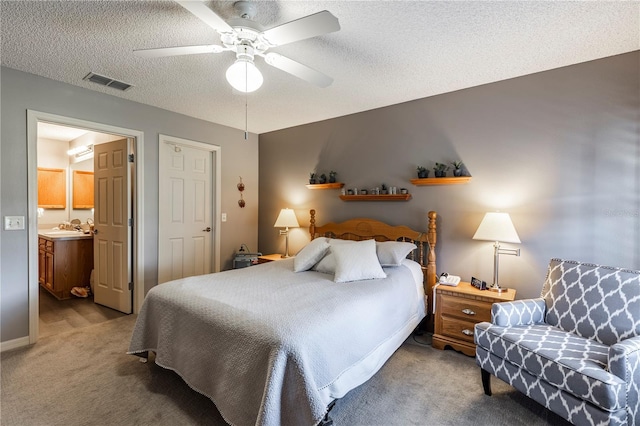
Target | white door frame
(217,200)
(33,117)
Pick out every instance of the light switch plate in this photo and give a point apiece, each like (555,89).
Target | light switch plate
(224,217)
(13,223)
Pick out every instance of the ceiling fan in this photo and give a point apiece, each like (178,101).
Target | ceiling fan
(247,39)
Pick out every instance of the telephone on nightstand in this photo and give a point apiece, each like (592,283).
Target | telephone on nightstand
(446,279)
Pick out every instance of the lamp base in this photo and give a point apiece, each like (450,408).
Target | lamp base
(285,256)
(498,289)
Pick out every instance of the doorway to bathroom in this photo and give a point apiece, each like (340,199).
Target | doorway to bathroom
(66,231)
(66,217)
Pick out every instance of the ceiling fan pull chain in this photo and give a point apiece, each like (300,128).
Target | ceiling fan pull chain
(246,108)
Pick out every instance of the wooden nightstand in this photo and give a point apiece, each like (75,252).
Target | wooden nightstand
(458,309)
(270,258)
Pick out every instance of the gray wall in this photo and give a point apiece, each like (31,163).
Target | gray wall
(558,150)
(22,91)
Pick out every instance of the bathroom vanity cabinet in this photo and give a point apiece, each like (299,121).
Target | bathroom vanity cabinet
(64,262)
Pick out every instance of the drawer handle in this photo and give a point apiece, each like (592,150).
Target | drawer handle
(467,332)
(468,312)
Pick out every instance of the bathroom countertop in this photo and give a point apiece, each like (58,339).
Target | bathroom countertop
(63,235)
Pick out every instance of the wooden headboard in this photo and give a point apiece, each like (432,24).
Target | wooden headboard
(364,229)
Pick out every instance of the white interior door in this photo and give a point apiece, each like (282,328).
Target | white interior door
(112,240)
(185,212)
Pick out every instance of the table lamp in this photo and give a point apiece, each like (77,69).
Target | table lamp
(286,219)
(498,227)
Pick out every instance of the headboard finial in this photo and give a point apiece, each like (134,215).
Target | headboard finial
(312,223)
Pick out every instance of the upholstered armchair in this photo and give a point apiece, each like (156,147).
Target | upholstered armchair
(575,350)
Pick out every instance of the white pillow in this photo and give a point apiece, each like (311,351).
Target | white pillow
(327,264)
(310,254)
(356,261)
(392,253)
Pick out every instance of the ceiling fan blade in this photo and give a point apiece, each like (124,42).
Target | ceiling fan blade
(297,69)
(161,52)
(309,26)
(206,15)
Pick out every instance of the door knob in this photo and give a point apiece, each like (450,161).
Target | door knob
(207,229)
(95,231)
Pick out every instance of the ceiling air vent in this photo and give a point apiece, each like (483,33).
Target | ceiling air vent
(107,81)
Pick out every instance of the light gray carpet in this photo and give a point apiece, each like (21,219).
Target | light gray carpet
(84,377)
(57,316)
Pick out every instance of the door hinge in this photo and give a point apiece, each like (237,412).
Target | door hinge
(131,158)
(130,286)
(131,222)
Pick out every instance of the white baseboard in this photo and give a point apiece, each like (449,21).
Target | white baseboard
(15,343)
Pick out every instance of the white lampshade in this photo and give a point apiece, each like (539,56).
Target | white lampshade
(286,219)
(244,76)
(497,227)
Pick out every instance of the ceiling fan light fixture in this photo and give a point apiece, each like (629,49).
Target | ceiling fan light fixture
(244,76)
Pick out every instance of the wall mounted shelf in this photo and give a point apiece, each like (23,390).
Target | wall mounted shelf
(335,185)
(441,181)
(394,197)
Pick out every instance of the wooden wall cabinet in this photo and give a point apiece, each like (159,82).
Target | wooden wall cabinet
(52,188)
(82,190)
(64,264)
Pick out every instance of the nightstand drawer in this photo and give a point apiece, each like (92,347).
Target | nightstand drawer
(458,329)
(458,310)
(473,310)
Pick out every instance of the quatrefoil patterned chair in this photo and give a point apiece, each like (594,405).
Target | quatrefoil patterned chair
(575,350)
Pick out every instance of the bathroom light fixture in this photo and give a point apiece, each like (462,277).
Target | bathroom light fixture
(81,151)
(498,227)
(286,219)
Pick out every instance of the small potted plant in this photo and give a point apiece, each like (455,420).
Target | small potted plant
(383,189)
(312,178)
(440,170)
(422,172)
(457,168)
(332,176)
(322,178)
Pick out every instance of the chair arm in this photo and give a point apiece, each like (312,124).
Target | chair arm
(624,359)
(624,362)
(518,312)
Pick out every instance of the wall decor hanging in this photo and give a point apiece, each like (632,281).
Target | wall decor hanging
(240,185)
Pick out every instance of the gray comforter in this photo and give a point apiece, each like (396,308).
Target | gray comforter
(266,344)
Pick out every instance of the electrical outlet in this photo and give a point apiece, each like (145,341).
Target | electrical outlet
(224,217)
(13,223)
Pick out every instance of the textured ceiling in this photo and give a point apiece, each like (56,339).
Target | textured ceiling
(387,52)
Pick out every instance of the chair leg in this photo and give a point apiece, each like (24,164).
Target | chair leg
(486,381)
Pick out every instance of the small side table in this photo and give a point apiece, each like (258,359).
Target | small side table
(270,258)
(458,309)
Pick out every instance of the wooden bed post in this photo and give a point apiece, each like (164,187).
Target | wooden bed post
(431,277)
(312,223)
(431,255)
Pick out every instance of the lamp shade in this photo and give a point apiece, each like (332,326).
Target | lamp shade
(244,76)
(497,227)
(286,219)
